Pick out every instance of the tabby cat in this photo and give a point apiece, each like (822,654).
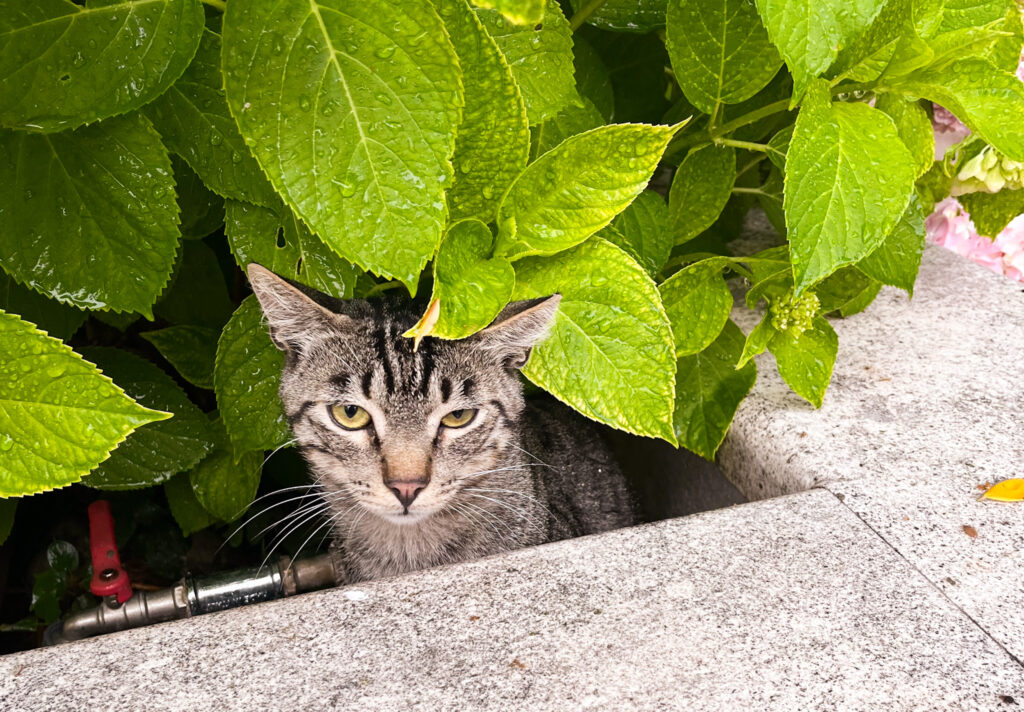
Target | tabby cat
(433,455)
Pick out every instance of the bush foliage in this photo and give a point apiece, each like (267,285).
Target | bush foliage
(151,149)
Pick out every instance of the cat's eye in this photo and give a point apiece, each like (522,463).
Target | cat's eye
(350,417)
(458,418)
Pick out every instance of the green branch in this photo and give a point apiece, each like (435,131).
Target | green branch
(581,15)
(216,4)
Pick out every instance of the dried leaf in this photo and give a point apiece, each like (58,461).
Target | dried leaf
(1011,490)
(970,531)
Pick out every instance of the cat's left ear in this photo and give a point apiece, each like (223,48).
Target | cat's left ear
(518,328)
(295,320)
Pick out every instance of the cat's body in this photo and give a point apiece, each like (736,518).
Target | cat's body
(432,456)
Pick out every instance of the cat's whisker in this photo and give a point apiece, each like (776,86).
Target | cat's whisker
(326,523)
(522,449)
(525,495)
(476,521)
(281,537)
(491,516)
(279,448)
(263,511)
(292,515)
(521,513)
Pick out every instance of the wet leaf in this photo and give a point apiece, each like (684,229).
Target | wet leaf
(914,128)
(58,320)
(153,454)
(992,212)
(521,12)
(65,64)
(89,204)
(190,349)
(1011,490)
(568,122)
(610,354)
(698,304)
(202,210)
(642,230)
(60,417)
(246,378)
(198,294)
(592,78)
(574,190)
(354,123)
(626,15)
(223,483)
(700,189)
(897,260)
(805,362)
(187,511)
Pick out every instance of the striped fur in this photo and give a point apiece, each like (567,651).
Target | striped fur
(521,473)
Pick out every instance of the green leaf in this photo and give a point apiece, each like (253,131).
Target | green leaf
(186,509)
(493,140)
(848,180)
(540,59)
(202,210)
(636,65)
(862,301)
(709,389)
(991,212)
(58,320)
(700,189)
(279,241)
(958,14)
(893,44)
(59,416)
(809,33)
(988,100)
(757,340)
(626,15)
(805,363)
(521,12)
(897,260)
(96,207)
(770,200)
(470,287)
(574,190)
(351,109)
(720,51)
(566,123)
(65,65)
(246,377)
(194,120)
(197,294)
(698,303)
(592,79)
(224,484)
(914,128)
(837,290)
(8,507)
(642,230)
(190,349)
(610,354)
(150,455)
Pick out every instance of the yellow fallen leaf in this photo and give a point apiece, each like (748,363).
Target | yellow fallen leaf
(425,325)
(1011,490)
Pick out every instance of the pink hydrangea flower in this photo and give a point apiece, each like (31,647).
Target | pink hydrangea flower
(951,226)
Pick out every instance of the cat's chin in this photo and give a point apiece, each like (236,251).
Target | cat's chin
(406,519)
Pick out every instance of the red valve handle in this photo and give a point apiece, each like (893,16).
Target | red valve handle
(108,576)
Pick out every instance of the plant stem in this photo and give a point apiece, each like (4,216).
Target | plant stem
(755,115)
(216,4)
(750,191)
(583,13)
(749,145)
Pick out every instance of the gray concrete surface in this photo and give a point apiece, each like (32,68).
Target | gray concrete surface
(789,604)
(924,408)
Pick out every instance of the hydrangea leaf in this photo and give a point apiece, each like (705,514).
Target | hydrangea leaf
(568,122)
(192,351)
(840,288)
(224,484)
(97,207)
(520,12)
(185,508)
(541,59)
(153,454)
(351,109)
(894,43)
(198,293)
(709,390)
(592,78)
(575,189)
(636,66)
(988,100)
(700,189)
(720,51)
(992,212)
(626,15)
(59,416)
(246,377)
(279,241)
(914,128)
(861,301)
(65,64)
(610,353)
(642,230)
(809,33)
(805,362)
(194,120)
(698,303)
(757,340)
(849,178)
(470,287)
(958,14)
(202,210)
(58,320)
(897,260)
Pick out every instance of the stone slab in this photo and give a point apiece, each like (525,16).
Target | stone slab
(787,604)
(925,407)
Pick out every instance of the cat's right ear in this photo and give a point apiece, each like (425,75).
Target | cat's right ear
(295,320)
(518,328)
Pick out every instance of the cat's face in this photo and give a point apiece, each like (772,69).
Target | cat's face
(387,429)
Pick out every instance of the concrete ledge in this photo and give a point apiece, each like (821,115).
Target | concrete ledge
(924,408)
(787,604)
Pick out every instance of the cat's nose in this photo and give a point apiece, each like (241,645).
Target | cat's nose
(407,491)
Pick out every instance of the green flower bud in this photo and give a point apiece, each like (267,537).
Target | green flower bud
(795,315)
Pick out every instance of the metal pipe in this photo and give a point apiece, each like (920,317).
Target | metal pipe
(195,596)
